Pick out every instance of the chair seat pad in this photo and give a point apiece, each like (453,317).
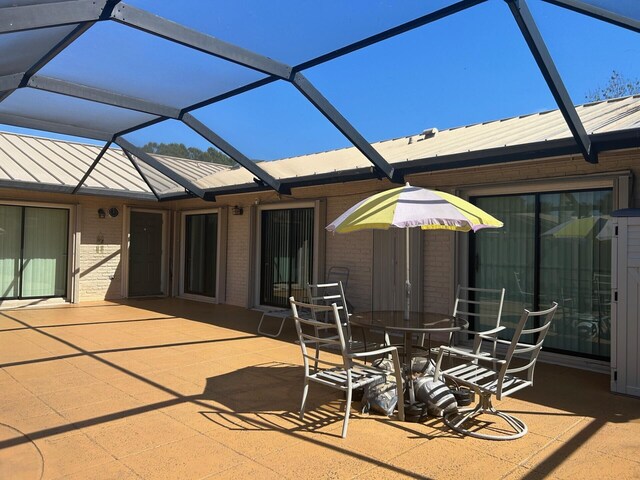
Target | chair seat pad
(483,379)
(361,375)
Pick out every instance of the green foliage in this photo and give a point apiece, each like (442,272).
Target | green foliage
(617,86)
(180,150)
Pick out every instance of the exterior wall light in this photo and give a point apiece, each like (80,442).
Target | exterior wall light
(236,210)
(101,213)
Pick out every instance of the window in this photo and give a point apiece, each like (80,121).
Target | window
(553,247)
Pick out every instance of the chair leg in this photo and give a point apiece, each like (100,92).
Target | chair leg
(305,391)
(461,421)
(347,410)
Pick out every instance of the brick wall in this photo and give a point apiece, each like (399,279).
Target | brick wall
(352,250)
(239,253)
(100,251)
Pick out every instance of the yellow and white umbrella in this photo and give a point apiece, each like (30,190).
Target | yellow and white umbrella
(407,207)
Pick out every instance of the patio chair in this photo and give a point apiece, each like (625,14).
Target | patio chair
(340,274)
(499,376)
(328,293)
(279,315)
(484,305)
(346,373)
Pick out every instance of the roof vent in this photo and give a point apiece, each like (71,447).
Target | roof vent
(429,133)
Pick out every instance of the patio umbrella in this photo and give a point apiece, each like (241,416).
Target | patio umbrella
(407,207)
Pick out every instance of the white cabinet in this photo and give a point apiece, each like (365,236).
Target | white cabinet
(625,305)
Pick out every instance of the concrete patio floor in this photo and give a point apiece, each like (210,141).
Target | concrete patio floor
(167,388)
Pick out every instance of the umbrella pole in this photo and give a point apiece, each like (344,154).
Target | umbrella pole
(407,285)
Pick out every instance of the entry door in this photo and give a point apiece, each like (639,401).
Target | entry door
(389,271)
(145,254)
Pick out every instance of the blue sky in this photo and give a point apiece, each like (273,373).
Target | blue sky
(468,68)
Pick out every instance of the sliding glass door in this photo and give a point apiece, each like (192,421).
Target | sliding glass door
(34,252)
(554,247)
(286,255)
(10,250)
(200,254)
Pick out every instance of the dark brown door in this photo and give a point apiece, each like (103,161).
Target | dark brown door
(145,254)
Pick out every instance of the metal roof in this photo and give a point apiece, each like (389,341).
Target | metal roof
(58,165)
(616,115)
(49,82)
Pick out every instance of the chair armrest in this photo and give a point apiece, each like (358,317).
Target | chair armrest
(464,354)
(371,353)
(493,331)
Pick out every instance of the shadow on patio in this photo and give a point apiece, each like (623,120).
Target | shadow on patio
(170,388)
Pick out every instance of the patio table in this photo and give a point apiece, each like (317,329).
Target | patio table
(418,323)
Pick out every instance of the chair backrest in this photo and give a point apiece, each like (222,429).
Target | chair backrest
(526,353)
(327,294)
(338,274)
(321,335)
(481,304)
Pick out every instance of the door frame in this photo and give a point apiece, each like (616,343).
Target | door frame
(618,181)
(126,246)
(318,242)
(73,236)
(220,248)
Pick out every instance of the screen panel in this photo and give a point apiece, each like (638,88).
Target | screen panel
(19,51)
(291,31)
(27,102)
(120,58)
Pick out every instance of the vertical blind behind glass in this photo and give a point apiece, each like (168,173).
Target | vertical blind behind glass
(286,255)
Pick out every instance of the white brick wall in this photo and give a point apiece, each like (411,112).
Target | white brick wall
(238,256)
(352,250)
(100,251)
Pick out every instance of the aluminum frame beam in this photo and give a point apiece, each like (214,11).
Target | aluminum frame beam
(141,173)
(175,32)
(159,166)
(62,128)
(11,82)
(219,142)
(390,33)
(47,57)
(372,40)
(598,13)
(541,54)
(92,167)
(107,97)
(44,15)
(335,117)
(155,25)
(71,89)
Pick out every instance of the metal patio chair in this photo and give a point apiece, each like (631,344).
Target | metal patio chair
(480,304)
(494,375)
(345,373)
(483,305)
